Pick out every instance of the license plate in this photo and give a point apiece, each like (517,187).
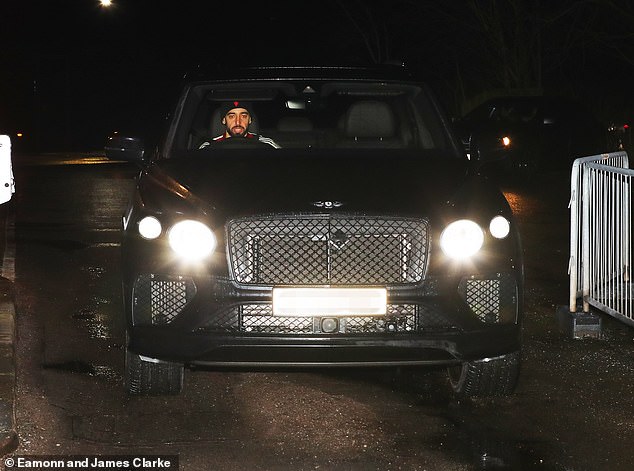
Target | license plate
(329,301)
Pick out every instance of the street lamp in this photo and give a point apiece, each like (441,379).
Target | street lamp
(105,3)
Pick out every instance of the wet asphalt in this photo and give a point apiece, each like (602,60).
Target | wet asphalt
(8,434)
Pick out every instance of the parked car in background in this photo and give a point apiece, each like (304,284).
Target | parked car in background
(364,238)
(619,136)
(532,134)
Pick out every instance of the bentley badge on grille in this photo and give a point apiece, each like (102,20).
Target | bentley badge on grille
(327,204)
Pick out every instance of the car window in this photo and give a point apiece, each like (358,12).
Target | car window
(323,115)
(515,112)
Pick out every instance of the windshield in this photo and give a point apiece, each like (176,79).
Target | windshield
(305,115)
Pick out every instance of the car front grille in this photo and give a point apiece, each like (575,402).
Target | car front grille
(328,249)
(258,318)
(159,299)
(493,299)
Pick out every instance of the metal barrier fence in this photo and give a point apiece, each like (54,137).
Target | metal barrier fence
(601,235)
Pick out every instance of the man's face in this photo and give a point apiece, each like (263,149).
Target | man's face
(237,122)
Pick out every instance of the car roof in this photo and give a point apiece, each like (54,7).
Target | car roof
(387,73)
(531,99)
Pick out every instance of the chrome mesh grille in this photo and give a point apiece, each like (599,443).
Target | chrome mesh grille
(258,318)
(492,299)
(159,299)
(327,249)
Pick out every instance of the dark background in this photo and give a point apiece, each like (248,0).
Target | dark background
(74,72)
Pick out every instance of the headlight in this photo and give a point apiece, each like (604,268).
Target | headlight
(192,240)
(499,227)
(150,227)
(461,239)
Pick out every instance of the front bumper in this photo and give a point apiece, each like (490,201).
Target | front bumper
(210,321)
(439,348)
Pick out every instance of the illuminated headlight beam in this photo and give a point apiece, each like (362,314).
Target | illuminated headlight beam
(192,240)
(461,239)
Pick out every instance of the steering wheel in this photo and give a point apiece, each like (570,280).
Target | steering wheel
(239,143)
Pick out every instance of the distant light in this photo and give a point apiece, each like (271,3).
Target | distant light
(19,134)
(506,141)
(626,126)
(105,3)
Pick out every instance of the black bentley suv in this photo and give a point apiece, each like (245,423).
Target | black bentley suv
(363,237)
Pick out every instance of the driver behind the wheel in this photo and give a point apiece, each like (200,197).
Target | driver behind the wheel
(236,118)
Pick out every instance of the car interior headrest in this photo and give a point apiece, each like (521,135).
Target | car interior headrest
(370,119)
(294,124)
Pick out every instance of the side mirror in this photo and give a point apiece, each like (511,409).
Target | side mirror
(475,154)
(129,149)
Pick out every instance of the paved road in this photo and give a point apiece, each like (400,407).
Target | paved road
(8,436)
(572,409)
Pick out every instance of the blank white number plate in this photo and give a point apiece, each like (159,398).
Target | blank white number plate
(329,301)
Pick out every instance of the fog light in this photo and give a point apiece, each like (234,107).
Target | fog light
(150,227)
(499,227)
(329,325)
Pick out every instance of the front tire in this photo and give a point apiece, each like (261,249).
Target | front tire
(152,378)
(485,378)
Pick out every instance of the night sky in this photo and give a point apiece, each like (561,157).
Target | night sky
(73,71)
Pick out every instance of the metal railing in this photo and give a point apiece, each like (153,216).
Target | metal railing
(601,235)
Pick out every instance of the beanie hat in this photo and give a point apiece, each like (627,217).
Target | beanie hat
(230,105)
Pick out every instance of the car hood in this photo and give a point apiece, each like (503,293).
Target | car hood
(245,184)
